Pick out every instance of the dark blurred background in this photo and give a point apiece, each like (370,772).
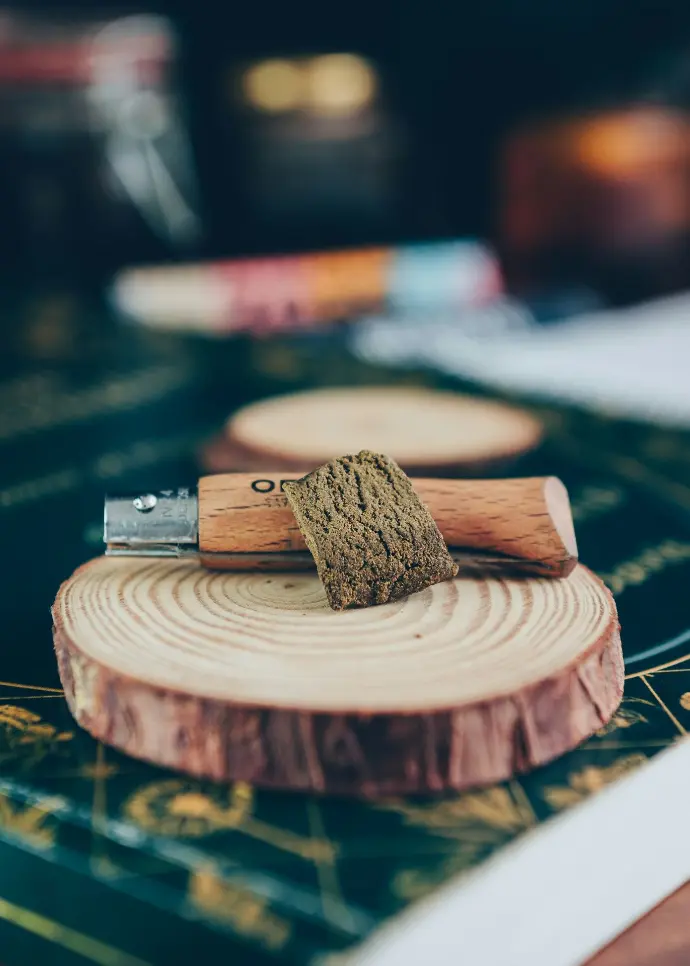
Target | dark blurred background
(558,132)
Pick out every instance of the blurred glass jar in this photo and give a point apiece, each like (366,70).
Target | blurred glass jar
(95,166)
(602,200)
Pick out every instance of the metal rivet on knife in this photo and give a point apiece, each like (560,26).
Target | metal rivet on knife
(144,503)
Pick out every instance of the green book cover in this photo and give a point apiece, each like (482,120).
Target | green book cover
(108,860)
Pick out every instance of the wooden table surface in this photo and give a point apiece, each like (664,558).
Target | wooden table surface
(661,938)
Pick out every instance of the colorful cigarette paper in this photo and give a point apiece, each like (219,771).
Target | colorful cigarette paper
(295,291)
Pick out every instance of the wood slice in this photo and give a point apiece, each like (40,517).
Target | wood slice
(424,430)
(662,937)
(251,676)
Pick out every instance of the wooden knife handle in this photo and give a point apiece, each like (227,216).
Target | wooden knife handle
(526,519)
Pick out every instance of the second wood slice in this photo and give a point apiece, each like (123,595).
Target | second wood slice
(422,429)
(251,676)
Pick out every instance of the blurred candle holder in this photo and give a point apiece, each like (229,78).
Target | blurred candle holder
(600,199)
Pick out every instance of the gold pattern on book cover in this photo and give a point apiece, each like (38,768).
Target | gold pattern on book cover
(476,823)
(45,402)
(180,808)
(191,809)
(229,902)
(582,784)
(629,713)
(25,737)
(648,562)
(31,823)
(589,502)
(490,812)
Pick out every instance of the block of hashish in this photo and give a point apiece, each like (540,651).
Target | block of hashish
(371,537)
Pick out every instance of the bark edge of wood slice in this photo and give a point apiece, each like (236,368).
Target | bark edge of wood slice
(252,677)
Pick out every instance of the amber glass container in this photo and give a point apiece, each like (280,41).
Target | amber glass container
(601,199)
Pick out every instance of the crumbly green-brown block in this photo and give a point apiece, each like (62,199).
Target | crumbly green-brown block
(371,537)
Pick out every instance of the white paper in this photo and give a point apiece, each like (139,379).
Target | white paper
(633,363)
